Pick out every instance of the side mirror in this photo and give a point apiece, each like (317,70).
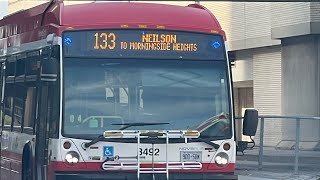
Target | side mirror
(232,57)
(250,122)
(49,69)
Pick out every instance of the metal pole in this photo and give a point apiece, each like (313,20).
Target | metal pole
(138,155)
(261,143)
(296,162)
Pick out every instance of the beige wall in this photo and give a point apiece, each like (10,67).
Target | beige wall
(267,90)
(17,5)
(243,66)
(263,67)
(3,8)
(247,25)
(287,14)
(295,19)
(315,12)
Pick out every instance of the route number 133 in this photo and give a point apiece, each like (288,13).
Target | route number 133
(105,41)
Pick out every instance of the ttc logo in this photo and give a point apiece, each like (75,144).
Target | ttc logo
(107,151)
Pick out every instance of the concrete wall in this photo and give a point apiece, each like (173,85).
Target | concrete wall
(300,92)
(295,19)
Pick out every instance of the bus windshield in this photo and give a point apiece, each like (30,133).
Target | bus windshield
(135,94)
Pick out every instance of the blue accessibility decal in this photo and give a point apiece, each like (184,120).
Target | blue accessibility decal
(107,150)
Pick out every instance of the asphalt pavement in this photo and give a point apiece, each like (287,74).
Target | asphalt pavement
(252,178)
(278,164)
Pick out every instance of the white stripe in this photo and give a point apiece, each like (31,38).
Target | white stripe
(49,75)
(46,79)
(61,86)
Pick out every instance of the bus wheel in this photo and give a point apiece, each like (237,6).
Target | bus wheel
(26,163)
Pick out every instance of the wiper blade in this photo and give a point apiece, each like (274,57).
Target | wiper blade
(93,141)
(211,121)
(216,146)
(127,125)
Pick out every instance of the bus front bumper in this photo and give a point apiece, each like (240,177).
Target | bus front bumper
(133,176)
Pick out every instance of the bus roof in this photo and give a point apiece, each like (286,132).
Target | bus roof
(133,14)
(54,17)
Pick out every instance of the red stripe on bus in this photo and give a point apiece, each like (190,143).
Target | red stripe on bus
(11,155)
(96,166)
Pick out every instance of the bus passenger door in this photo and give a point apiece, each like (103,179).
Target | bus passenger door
(47,100)
(1,111)
(4,137)
(46,128)
(41,135)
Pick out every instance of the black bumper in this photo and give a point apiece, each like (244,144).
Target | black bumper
(133,176)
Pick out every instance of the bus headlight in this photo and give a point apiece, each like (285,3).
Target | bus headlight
(72,158)
(221,159)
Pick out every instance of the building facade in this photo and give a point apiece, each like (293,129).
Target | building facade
(277,62)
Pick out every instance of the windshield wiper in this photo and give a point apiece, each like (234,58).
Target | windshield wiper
(209,123)
(127,125)
(93,141)
(216,146)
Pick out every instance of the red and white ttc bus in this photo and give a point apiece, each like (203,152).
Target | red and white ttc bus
(116,91)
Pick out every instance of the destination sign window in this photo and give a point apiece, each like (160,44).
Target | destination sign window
(158,44)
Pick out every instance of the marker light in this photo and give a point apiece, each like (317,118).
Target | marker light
(226,146)
(221,159)
(72,158)
(215,44)
(67,40)
(66,145)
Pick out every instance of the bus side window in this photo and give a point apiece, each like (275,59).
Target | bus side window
(8,93)
(30,107)
(54,101)
(18,113)
(53,110)
(19,92)
(1,93)
(8,101)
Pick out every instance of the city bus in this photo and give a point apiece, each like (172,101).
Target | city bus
(116,90)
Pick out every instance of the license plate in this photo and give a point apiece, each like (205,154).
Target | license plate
(190,156)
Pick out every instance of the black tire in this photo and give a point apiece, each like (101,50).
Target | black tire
(26,163)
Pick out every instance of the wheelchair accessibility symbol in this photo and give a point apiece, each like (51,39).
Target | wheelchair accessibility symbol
(107,150)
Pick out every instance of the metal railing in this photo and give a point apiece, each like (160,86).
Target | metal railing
(297,138)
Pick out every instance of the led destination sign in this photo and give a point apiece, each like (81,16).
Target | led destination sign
(143,44)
